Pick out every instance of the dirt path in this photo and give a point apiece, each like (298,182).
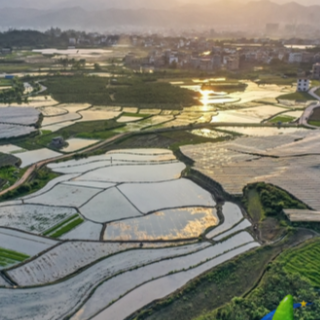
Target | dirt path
(40,164)
(308,112)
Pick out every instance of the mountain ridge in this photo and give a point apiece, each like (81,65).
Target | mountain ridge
(255,13)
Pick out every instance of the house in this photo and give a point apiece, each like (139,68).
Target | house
(316,71)
(58,143)
(303,85)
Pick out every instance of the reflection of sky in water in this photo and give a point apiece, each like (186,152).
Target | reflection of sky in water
(209,133)
(166,225)
(263,132)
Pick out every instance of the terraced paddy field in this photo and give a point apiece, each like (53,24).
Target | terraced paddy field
(289,161)
(304,261)
(112,226)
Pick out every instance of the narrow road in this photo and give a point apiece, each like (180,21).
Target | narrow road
(309,110)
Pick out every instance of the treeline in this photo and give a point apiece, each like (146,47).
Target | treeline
(52,37)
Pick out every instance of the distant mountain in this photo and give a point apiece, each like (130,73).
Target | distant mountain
(102,14)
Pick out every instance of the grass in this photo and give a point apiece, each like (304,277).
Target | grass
(135,115)
(298,96)
(168,140)
(254,206)
(317,92)
(165,95)
(5,82)
(40,178)
(305,261)
(68,227)
(53,229)
(79,89)
(283,119)
(137,90)
(99,130)
(314,123)
(8,257)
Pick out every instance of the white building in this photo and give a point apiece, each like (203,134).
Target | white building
(303,85)
(295,57)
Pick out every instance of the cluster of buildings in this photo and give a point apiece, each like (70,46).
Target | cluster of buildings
(209,55)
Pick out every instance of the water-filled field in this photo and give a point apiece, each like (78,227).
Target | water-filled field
(171,224)
(140,223)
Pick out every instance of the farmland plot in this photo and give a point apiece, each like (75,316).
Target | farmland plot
(241,226)
(80,162)
(261,112)
(61,299)
(62,195)
(137,173)
(266,131)
(124,119)
(33,218)
(13,131)
(10,149)
(90,184)
(232,215)
(109,205)
(48,121)
(50,185)
(160,288)
(23,242)
(86,231)
(150,197)
(68,257)
(79,168)
(75,144)
(19,115)
(41,101)
(98,114)
(130,110)
(9,257)
(57,126)
(52,111)
(166,225)
(112,289)
(30,157)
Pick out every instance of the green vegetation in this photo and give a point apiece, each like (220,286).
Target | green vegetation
(64,227)
(139,91)
(304,261)
(283,119)
(273,199)
(40,178)
(14,94)
(200,298)
(317,91)
(254,205)
(158,94)
(172,139)
(8,160)
(298,96)
(8,257)
(275,285)
(79,89)
(137,115)
(100,130)
(315,123)
(5,82)
(228,86)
